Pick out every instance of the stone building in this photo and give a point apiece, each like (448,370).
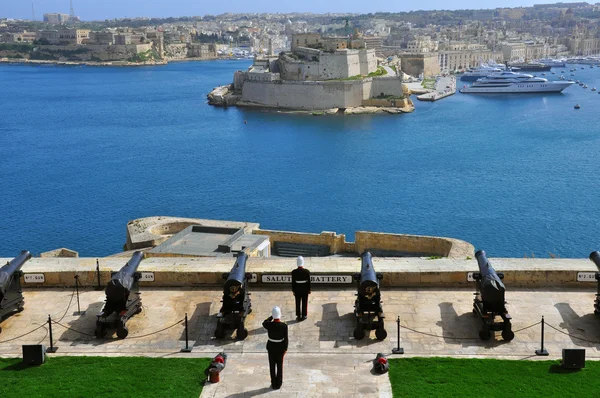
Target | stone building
(463,59)
(64,36)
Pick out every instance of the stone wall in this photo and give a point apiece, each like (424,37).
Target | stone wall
(318,95)
(397,272)
(90,52)
(336,243)
(176,51)
(416,64)
(420,245)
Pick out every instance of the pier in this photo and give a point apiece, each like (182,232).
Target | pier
(445,86)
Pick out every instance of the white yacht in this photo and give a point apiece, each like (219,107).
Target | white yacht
(482,70)
(554,63)
(514,83)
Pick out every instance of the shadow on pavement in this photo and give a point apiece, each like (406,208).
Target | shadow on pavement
(579,326)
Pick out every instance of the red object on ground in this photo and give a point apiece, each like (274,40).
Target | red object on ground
(214,375)
(219,359)
(382,360)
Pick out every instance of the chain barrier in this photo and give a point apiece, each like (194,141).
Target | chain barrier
(23,335)
(158,331)
(461,338)
(73,330)
(572,336)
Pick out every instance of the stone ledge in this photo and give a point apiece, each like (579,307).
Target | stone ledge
(397,272)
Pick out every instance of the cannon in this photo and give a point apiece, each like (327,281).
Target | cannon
(367,307)
(489,300)
(236,300)
(11,295)
(122,299)
(595,258)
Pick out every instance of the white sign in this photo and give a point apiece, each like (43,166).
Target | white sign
(34,278)
(313,279)
(470,277)
(147,277)
(586,277)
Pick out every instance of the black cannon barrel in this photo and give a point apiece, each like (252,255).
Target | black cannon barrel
(491,286)
(368,276)
(237,275)
(7,271)
(122,281)
(595,258)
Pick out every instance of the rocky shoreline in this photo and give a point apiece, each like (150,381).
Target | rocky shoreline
(223,96)
(26,61)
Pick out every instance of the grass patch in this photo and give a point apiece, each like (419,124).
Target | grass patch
(451,377)
(379,72)
(428,83)
(103,377)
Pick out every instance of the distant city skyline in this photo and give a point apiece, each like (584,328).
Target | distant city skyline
(109,9)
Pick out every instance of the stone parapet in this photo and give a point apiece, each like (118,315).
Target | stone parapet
(397,272)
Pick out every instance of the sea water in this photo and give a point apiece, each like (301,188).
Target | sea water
(83,150)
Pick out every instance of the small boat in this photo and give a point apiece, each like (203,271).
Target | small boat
(562,78)
(543,74)
(593,88)
(577,106)
(582,68)
(577,81)
(585,86)
(554,73)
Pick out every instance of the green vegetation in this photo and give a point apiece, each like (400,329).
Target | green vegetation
(150,55)
(103,377)
(428,83)
(450,377)
(18,47)
(379,72)
(394,68)
(434,257)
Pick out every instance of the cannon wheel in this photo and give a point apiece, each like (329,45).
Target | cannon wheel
(485,333)
(122,331)
(21,306)
(359,332)
(242,333)
(138,310)
(380,334)
(219,332)
(508,334)
(100,330)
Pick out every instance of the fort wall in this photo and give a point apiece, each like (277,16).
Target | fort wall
(318,95)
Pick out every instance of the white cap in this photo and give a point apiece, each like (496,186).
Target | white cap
(276,313)
(300,261)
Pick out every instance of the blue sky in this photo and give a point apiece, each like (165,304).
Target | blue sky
(106,9)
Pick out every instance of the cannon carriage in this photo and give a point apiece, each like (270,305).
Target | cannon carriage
(595,258)
(236,300)
(11,294)
(489,303)
(367,306)
(122,299)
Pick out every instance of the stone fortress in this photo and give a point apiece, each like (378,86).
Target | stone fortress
(319,74)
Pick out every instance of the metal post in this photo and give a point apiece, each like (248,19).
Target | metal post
(398,350)
(52,349)
(542,351)
(187,346)
(99,286)
(79,312)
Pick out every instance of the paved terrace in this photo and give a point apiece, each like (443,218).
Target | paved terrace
(323,357)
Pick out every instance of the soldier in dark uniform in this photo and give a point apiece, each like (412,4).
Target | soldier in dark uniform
(276,346)
(301,289)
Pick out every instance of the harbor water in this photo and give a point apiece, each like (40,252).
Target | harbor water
(83,150)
